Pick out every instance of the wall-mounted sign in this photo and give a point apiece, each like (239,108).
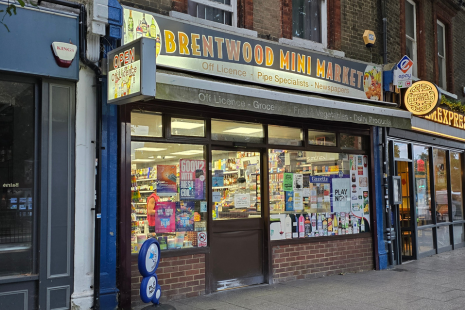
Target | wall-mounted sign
(421,98)
(64,53)
(200,49)
(132,72)
(403,73)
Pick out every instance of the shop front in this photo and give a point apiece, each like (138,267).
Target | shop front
(429,161)
(241,183)
(37,107)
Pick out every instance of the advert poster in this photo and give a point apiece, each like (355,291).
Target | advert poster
(288,182)
(185,216)
(298,181)
(359,191)
(192,178)
(298,200)
(214,52)
(289,205)
(166,180)
(165,217)
(341,194)
(242,201)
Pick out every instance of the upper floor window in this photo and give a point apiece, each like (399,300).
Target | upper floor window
(411,33)
(220,11)
(441,31)
(309,19)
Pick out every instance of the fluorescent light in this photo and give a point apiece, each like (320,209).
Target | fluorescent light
(142,160)
(243,130)
(151,157)
(191,152)
(150,149)
(168,157)
(185,125)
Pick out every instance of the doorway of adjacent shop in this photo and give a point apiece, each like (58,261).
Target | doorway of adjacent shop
(237,236)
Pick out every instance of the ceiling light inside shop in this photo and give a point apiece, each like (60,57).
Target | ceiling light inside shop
(151,157)
(243,130)
(168,157)
(142,160)
(191,152)
(150,149)
(185,125)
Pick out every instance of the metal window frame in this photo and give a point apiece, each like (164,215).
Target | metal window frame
(232,8)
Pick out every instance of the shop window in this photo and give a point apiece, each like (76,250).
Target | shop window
(16,177)
(284,135)
(443,236)
(236,185)
(309,20)
(401,150)
(422,185)
(187,127)
(456,185)
(441,44)
(237,131)
(169,196)
(459,236)
(219,11)
(352,142)
(321,138)
(425,240)
(146,124)
(411,33)
(440,185)
(315,194)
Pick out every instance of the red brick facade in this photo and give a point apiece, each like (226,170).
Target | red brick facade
(179,277)
(293,262)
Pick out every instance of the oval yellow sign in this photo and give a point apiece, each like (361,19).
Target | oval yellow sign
(421,98)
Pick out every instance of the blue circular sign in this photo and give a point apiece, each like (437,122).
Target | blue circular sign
(157,295)
(149,257)
(148,288)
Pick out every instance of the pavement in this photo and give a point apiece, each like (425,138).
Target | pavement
(436,282)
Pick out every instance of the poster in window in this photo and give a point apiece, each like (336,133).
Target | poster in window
(341,194)
(165,217)
(185,216)
(166,180)
(298,181)
(288,182)
(192,179)
(298,200)
(289,201)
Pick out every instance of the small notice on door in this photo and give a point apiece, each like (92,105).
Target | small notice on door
(202,239)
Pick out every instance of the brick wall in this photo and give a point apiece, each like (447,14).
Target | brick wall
(267,17)
(179,277)
(293,262)
(459,43)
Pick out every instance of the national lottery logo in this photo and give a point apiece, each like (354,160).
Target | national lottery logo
(405,64)
(148,260)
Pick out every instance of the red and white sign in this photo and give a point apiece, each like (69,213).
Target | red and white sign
(202,239)
(64,53)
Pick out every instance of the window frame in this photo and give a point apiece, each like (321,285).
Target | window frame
(323,26)
(413,40)
(443,59)
(232,8)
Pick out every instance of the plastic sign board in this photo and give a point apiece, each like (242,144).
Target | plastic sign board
(148,260)
(206,50)
(64,53)
(202,239)
(403,73)
(421,98)
(132,72)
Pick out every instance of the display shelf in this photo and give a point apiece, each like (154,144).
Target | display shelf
(141,180)
(223,187)
(143,192)
(139,203)
(323,173)
(306,165)
(226,172)
(143,215)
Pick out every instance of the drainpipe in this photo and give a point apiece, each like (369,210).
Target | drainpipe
(98,148)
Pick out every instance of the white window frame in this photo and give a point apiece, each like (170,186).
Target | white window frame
(413,40)
(224,7)
(443,78)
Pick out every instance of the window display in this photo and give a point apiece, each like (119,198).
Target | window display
(236,185)
(316,194)
(169,197)
(16,177)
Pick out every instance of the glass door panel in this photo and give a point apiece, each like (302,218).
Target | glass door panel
(440,185)
(406,223)
(236,185)
(422,185)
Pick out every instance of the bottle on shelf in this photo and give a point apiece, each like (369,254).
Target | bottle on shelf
(362,225)
(301,226)
(319,224)
(308,226)
(288,227)
(339,229)
(295,228)
(325,226)
(314,230)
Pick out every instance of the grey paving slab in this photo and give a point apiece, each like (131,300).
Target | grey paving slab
(265,305)
(428,304)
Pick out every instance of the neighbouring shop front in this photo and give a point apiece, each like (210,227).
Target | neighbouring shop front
(242,184)
(37,159)
(429,161)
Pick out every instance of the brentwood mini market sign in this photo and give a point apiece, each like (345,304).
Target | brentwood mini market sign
(194,48)
(422,98)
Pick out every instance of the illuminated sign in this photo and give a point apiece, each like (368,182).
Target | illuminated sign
(127,82)
(205,50)
(421,98)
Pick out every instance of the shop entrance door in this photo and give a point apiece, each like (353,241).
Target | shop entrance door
(237,236)
(405,224)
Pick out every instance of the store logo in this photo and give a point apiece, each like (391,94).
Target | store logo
(405,64)
(11,185)
(421,98)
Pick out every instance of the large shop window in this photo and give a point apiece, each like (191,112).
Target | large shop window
(16,177)
(169,196)
(456,185)
(422,185)
(316,194)
(440,185)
